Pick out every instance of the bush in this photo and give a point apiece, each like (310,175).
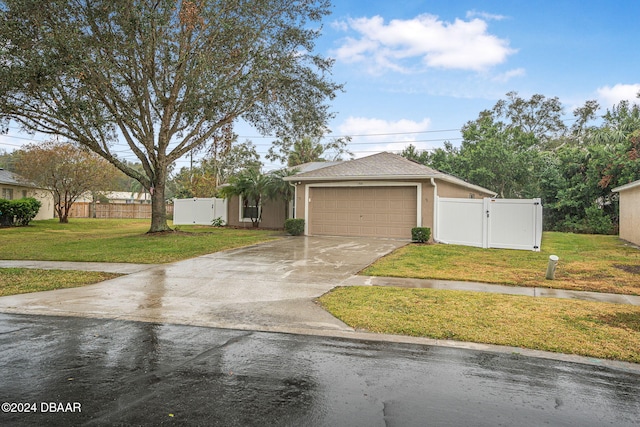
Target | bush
(294,226)
(6,213)
(218,222)
(420,234)
(18,212)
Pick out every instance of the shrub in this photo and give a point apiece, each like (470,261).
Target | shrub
(6,213)
(294,226)
(420,234)
(18,212)
(218,222)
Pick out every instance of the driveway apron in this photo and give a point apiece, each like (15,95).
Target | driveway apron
(269,286)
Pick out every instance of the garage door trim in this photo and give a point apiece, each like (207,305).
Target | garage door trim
(418,186)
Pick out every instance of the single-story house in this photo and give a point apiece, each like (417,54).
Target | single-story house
(118,197)
(13,186)
(382,195)
(630,211)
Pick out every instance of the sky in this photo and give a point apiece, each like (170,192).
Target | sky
(414,72)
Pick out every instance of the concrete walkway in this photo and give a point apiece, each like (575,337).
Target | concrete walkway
(486,287)
(357,280)
(267,287)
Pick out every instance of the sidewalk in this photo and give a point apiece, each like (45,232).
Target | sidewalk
(125,268)
(486,287)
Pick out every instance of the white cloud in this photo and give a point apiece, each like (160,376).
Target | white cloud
(505,77)
(464,45)
(371,135)
(620,92)
(484,15)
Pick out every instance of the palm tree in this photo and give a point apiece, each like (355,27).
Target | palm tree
(279,189)
(306,150)
(251,185)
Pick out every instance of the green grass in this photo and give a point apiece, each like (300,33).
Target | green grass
(119,241)
(608,331)
(587,262)
(19,280)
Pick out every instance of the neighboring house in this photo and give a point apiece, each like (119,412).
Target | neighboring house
(630,211)
(383,195)
(120,197)
(13,186)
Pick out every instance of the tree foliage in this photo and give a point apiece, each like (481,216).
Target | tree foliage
(522,149)
(296,151)
(66,171)
(164,77)
(203,179)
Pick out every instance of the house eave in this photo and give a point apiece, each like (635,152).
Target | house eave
(447,178)
(628,186)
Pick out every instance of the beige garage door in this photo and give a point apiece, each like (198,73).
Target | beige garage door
(362,211)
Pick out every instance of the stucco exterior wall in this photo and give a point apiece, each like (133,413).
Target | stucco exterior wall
(427,195)
(46,210)
(273,214)
(630,215)
(449,189)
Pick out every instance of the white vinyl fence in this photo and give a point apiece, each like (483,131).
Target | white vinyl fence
(490,223)
(199,211)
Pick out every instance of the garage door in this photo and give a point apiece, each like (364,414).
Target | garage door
(362,211)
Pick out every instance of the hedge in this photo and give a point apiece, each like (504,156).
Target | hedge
(420,234)
(294,226)
(18,212)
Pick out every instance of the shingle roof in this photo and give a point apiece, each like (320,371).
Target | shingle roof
(11,178)
(381,166)
(311,166)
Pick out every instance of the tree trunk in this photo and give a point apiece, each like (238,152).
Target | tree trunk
(158,205)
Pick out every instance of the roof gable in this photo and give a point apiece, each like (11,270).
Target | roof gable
(381,165)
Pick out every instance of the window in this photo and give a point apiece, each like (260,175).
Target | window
(24,194)
(248,210)
(7,193)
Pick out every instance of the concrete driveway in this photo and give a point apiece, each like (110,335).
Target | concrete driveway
(268,287)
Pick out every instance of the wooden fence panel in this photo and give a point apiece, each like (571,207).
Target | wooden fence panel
(114,210)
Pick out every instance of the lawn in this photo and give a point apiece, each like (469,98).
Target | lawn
(116,240)
(602,330)
(20,280)
(110,240)
(587,263)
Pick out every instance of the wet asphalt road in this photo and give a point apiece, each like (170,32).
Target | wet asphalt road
(132,373)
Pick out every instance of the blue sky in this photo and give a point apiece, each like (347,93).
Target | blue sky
(417,71)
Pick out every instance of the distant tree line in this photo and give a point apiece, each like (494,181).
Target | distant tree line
(523,149)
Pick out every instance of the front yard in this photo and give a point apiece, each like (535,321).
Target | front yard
(116,240)
(93,240)
(594,263)
(587,262)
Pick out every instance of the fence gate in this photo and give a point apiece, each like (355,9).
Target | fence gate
(199,211)
(490,223)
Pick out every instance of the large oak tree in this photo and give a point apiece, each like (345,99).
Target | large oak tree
(163,76)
